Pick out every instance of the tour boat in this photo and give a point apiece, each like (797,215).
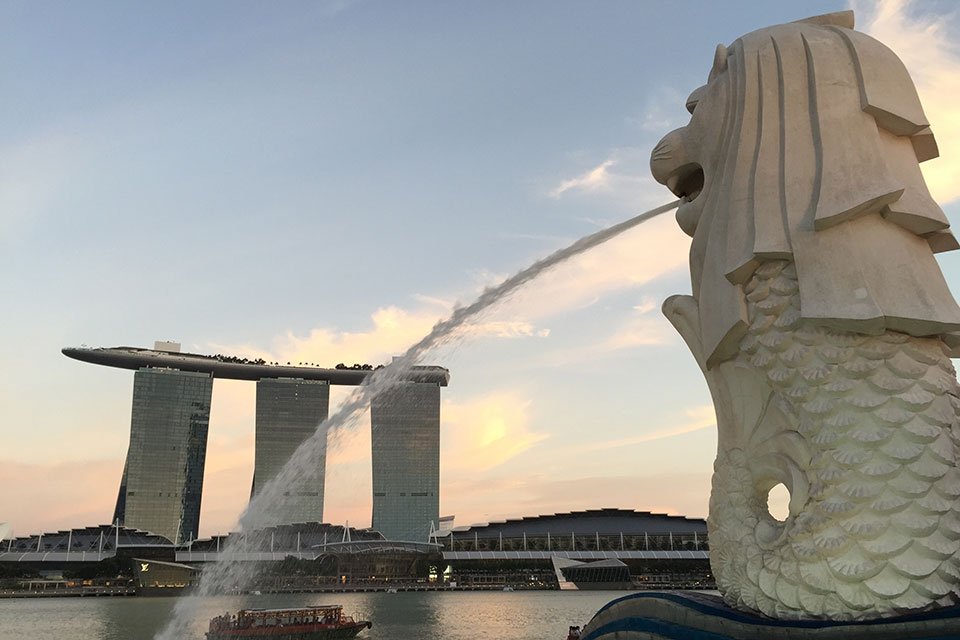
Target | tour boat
(304,623)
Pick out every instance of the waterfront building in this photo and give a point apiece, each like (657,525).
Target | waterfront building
(659,551)
(593,534)
(161,578)
(288,412)
(597,548)
(163,475)
(162,481)
(73,547)
(405,438)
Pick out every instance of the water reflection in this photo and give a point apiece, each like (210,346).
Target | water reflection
(519,615)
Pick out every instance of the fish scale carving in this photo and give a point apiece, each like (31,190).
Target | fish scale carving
(881,521)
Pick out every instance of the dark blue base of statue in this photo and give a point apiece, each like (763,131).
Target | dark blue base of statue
(700,616)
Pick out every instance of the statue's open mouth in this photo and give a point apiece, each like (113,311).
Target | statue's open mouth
(686,182)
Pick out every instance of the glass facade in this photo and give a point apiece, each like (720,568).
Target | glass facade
(163,476)
(405,438)
(288,412)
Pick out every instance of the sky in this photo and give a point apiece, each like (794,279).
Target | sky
(323,181)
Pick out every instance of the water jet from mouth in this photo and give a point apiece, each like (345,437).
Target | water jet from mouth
(230,572)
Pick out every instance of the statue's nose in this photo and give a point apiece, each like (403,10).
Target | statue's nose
(668,156)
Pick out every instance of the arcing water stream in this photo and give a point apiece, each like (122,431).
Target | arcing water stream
(230,572)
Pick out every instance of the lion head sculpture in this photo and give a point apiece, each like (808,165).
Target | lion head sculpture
(804,145)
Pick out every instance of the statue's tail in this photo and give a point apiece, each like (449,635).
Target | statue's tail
(863,431)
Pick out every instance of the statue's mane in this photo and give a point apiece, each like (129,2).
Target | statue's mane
(843,19)
(823,130)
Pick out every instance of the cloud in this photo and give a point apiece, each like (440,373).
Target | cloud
(478,435)
(475,500)
(631,181)
(505,329)
(393,331)
(664,112)
(647,304)
(644,327)
(695,419)
(592,180)
(927,44)
(628,261)
(482,433)
(560,476)
(441,303)
(629,186)
(494,466)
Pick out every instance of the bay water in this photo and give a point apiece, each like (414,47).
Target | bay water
(460,615)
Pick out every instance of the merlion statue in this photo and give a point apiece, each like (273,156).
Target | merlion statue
(822,324)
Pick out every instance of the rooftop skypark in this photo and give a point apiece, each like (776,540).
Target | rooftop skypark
(234,368)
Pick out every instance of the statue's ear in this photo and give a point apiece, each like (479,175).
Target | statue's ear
(941,241)
(837,19)
(854,177)
(914,210)
(886,90)
(887,93)
(925,145)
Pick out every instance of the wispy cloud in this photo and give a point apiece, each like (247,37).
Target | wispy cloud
(540,237)
(927,44)
(647,304)
(506,329)
(482,433)
(478,435)
(619,184)
(569,477)
(695,419)
(443,304)
(629,261)
(501,497)
(593,180)
(644,327)
(624,174)
(663,112)
(393,331)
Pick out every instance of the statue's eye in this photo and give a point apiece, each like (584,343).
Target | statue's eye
(694,99)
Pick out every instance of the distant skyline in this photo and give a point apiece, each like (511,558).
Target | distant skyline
(323,183)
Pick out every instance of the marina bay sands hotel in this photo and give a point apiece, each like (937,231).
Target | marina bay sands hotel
(162,481)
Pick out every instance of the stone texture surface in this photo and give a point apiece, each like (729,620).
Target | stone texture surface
(823,325)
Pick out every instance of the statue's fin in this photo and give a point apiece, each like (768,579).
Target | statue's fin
(837,19)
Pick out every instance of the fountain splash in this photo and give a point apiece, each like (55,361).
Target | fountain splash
(230,572)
